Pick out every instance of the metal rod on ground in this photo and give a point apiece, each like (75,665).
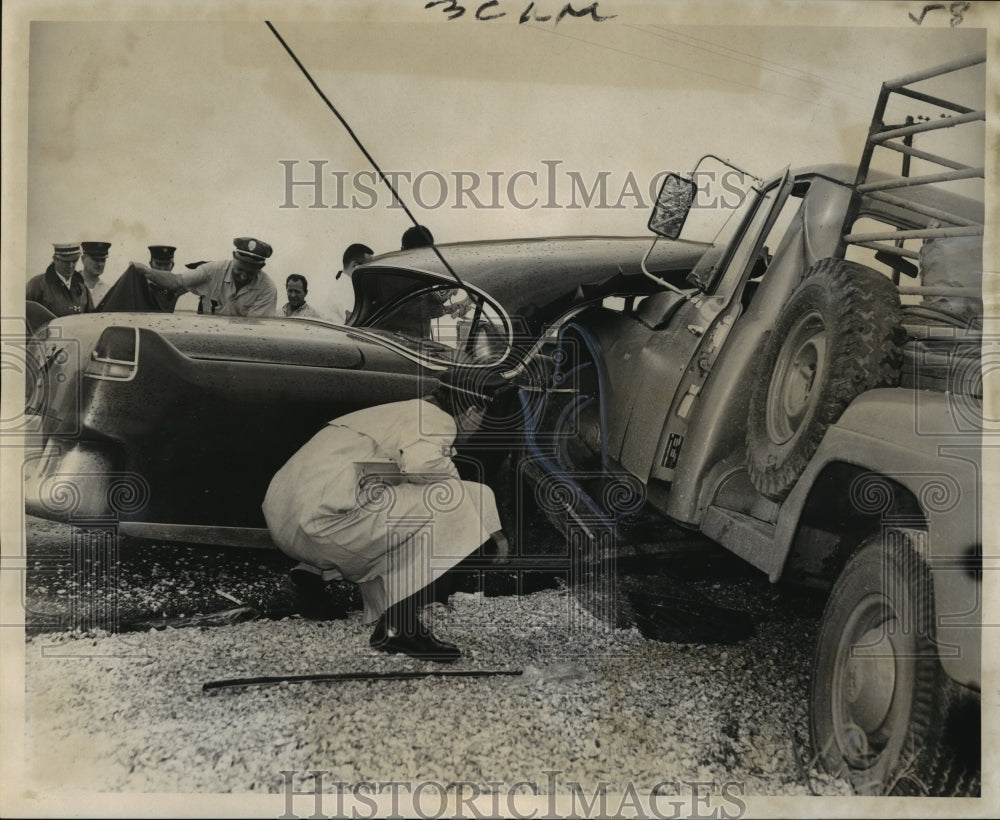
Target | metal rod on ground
(345,676)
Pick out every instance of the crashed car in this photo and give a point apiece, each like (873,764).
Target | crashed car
(171,425)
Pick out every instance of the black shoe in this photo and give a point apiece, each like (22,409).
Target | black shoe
(420,644)
(311,597)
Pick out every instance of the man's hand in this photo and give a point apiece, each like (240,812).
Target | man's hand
(161,278)
(459,308)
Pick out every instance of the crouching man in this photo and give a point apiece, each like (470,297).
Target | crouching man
(376,499)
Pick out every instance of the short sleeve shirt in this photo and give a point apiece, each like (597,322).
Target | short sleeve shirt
(306,311)
(213,282)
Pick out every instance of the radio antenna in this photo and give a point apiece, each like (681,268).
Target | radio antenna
(361,146)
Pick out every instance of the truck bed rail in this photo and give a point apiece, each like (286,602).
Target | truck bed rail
(899,138)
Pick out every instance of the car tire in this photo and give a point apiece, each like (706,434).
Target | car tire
(883,713)
(839,335)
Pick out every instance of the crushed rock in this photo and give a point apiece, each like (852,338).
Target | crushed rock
(126,712)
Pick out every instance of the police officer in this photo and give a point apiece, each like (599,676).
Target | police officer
(232,287)
(61,288)
(95,257)
(161,257)
(134,291)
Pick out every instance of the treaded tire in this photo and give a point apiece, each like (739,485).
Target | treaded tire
(883,713)
(839,335)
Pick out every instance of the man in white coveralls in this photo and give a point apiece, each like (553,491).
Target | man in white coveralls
(375,498)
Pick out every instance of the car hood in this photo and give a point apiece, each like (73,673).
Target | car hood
(272,340)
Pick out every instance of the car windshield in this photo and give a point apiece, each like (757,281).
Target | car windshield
(723,199)
(447,324)
(723,208)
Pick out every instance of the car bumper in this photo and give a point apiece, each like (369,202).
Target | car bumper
(77,481)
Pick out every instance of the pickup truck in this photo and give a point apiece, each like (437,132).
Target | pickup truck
(810,397)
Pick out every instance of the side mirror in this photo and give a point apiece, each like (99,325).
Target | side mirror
(673,204)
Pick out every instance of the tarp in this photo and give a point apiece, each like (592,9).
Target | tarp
(133,293)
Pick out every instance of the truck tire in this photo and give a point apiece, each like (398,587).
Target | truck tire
(883,713)
(839,335)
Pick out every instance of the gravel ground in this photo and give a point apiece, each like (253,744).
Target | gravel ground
(596,700)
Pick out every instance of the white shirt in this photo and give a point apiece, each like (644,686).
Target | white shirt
(340,300)
(98,291)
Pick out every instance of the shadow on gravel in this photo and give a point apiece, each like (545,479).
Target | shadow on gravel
(673,585)
(676,586)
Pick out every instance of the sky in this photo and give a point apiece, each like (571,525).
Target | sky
(189,133)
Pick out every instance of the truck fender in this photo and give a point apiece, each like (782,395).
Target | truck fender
(924,450)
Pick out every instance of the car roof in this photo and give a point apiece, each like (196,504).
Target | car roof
(527,274)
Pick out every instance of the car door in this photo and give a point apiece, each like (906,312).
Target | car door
(678,356)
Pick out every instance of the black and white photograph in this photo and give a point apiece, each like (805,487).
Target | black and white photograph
(519,408)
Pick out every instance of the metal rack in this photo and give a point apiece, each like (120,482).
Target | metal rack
(899,138)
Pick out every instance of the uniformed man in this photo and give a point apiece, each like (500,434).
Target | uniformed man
(95,257)
(231,287)
(161,257)
(61,288)
(135,292)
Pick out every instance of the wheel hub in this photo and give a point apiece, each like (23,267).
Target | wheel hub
(864,683)
(799,381)
(870,679)
(798,370)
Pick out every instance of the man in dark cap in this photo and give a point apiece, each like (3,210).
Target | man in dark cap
(161,257)
(134,291)
(61,288)
(95,257)
(375,498)
(342,296)
(231,287)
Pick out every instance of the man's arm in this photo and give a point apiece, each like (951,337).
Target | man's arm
(425,444)
(161,278)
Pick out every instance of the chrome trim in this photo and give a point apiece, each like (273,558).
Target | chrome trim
(133,364)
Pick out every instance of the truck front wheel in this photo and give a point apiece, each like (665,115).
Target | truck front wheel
(882,710)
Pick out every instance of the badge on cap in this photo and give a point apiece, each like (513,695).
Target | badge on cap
(162,253)
(251,250)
